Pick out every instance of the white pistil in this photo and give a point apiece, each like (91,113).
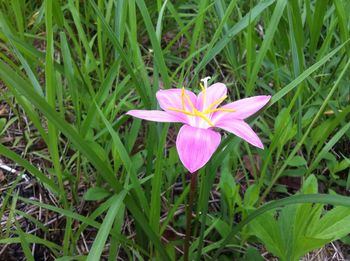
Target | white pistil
(205,81)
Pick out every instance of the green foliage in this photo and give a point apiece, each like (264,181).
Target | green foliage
(295,230)
(69,70)
(96,193)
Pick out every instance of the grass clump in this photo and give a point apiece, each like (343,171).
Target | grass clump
(82,180)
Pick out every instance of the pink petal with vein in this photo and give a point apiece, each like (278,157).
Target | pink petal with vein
(242,130)
(171,98)
(196,146)
(213,93)
(244,108)
(153,115)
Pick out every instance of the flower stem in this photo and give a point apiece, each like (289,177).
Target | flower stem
(189,215)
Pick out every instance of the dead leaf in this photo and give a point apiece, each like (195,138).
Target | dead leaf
(2,176)
(248,165)
(3,111)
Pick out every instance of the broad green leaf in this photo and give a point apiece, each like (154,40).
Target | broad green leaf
(96,193)
(296,199)
(252,254)
(297,161)
(333,225)
(251,195)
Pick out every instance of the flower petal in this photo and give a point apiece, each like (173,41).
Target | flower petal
(172,98)
(153,115)
(242,130)
(196,146)
(243,108)
(213,93)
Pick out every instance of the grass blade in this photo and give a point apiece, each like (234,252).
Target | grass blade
(14,81)
(279,95)
(104,231)
(138,85)
(335,200)
(158,53)
(243,23)
(301,142)
(33,170)
(157,182)
(126,161)
(333,141)
(271,29)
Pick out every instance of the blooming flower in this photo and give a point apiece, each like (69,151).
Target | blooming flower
(197,140)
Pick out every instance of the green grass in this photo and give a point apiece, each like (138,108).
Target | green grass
(70,70)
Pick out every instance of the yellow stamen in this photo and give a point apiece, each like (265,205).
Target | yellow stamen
(214,103)
(182,98)
(220,109)
(204,118)
(204,94)
(194,111)
(182,111)
(190,103)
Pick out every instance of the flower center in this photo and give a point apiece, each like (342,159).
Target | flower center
(208,109)
(194,111)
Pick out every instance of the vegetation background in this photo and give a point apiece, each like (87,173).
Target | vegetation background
(82,181)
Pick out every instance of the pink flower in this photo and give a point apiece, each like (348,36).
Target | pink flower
(197,140)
